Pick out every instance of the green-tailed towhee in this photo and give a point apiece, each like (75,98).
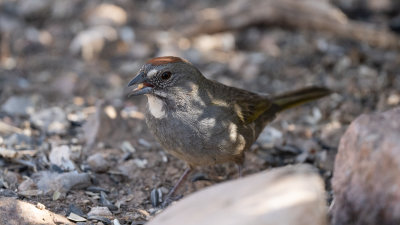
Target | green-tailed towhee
(204,122)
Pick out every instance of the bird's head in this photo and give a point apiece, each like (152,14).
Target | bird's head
(163,76)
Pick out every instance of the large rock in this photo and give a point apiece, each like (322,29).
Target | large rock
(292,195)
(366,181)
(16,212)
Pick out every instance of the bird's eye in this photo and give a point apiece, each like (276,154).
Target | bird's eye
(166,75)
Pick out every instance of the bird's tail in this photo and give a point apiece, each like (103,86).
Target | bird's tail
(295,98)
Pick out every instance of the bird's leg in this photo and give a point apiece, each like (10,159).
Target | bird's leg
(240,168)
(176,186)
(239,161)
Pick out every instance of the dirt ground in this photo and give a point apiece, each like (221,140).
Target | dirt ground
(72,56)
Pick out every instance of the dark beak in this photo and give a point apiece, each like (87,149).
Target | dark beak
(142,87)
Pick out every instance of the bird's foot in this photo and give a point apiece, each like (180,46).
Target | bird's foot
(169,199)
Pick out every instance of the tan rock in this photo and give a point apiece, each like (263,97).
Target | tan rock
(292,195)
(366,181)
(16,212)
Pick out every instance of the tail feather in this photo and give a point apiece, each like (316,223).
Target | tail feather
(295,98)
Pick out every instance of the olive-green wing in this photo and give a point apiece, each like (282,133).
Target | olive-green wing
(246,106)
(250,107)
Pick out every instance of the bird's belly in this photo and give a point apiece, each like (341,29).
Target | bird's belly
(199,143)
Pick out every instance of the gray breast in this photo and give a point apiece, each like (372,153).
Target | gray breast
(198,137)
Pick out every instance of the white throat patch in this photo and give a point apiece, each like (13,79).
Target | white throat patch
(156,106)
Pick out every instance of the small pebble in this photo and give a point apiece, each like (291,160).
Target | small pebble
(156,197)
(75,209)
(100,218)
(98,163)
(127,147)
(96,189)
(76,218)
(105,202)
(40,206)
(52,120)
(61,156)
(99,211)
(141,163)
(138,222)
(144,143)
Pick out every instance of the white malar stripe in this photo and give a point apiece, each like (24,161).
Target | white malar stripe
(156,106)
(152,72)
(233,132)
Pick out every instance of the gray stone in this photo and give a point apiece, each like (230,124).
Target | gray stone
(52,120)
(18,105)
(51,182)
(98,163)
(268,137)
(34,8)
(18,141)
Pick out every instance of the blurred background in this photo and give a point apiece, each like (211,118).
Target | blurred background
(65,65)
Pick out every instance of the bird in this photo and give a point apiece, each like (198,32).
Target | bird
(204,122)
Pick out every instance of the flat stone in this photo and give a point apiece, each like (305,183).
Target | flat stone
(76,218)
(99,211)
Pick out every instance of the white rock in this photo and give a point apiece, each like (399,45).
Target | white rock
(76,218)
(61,156)
(99,211)
(292,195)
(13,211)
